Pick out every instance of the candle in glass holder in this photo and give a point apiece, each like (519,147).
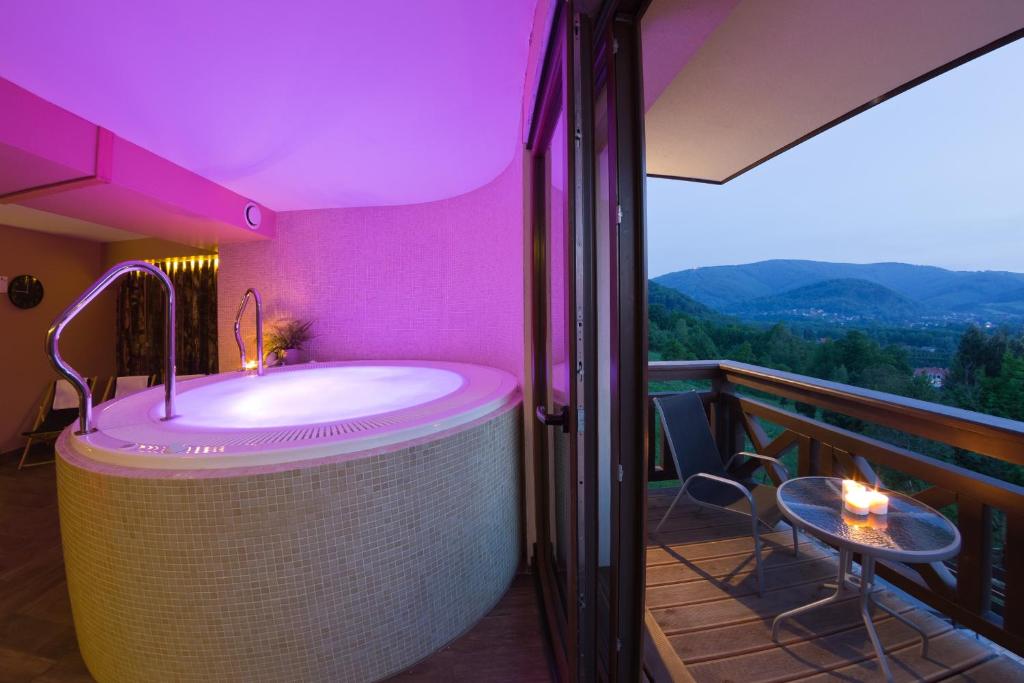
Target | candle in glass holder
(878,503)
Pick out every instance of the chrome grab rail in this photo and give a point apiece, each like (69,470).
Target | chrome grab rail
(71,375)
(259,329)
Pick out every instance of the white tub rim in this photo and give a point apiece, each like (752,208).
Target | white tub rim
(485,391)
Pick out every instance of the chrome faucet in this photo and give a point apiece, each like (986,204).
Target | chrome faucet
(77,381)
(259,329)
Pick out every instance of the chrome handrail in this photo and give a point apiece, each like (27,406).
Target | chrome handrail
(259,329)
(71,375)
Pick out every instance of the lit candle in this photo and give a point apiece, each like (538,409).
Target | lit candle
(250,364)
(849,486)
(858,501)
(879,503)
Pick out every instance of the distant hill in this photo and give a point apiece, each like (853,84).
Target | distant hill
(677,302)
(923,291)
(835,300)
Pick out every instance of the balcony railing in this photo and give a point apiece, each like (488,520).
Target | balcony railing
(973,590)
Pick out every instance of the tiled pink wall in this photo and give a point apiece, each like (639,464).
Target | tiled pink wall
(442,280)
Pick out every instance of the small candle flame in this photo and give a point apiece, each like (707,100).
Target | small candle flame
(860,500)
(250,365)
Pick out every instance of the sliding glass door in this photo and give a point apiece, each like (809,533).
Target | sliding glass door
(564,348)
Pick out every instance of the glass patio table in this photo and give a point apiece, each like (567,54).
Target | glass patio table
(911,532)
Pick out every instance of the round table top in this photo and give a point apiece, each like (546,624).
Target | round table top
(910,532)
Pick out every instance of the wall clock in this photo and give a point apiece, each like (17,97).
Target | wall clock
(25,291)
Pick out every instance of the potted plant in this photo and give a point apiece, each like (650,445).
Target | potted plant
(287,338)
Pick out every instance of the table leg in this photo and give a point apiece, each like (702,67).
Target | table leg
(867,577)
(846,577)
(905,621)
(841,590)
(865,588)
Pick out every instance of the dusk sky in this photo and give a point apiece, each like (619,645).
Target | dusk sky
(934,176)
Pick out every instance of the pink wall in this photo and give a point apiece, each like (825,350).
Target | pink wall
(441,280)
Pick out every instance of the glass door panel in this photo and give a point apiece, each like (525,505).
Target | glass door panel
(557,352)
(553,354)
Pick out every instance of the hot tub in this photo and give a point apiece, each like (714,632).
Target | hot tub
(333,521)
(293,414)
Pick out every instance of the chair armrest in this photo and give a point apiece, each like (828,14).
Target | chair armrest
(765,459)
(722,480)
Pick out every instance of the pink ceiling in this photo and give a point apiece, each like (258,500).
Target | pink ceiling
(312,104)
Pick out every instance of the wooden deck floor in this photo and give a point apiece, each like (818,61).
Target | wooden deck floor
(37,638)
(702,594)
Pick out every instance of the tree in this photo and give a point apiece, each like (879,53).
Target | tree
(1003,395)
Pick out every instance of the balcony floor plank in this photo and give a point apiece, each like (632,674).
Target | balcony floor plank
(1000,668)
(702,595)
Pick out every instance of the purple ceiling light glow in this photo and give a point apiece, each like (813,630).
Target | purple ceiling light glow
(308,105)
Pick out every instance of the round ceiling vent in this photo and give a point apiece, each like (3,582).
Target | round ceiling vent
(253,215)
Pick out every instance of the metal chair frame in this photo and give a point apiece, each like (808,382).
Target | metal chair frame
(755,532)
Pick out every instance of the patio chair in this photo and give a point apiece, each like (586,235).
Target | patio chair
(707,480)
(58,409)
(124,385)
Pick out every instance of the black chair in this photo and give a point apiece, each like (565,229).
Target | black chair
(52,417)
(706,479)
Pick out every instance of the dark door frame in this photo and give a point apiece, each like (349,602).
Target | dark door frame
(629,341)
(619,69)
(576,52)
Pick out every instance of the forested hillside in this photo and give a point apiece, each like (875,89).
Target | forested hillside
(986,373)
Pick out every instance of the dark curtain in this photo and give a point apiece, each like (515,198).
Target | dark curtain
(140,319)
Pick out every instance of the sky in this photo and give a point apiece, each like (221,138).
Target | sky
(934,176)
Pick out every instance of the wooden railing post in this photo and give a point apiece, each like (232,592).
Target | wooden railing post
(974,564)
(808,456)
(660,466)
(726,421)
(1013,564)
(737,431)
(651,443)
(719,423)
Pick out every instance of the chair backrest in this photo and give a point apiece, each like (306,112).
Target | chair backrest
(689,434)
(64,396)
(61,399)
(130,384)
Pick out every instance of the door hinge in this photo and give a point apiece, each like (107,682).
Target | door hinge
(615,46)
(618,644)
(580,420)
(618,214)
(619,472)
